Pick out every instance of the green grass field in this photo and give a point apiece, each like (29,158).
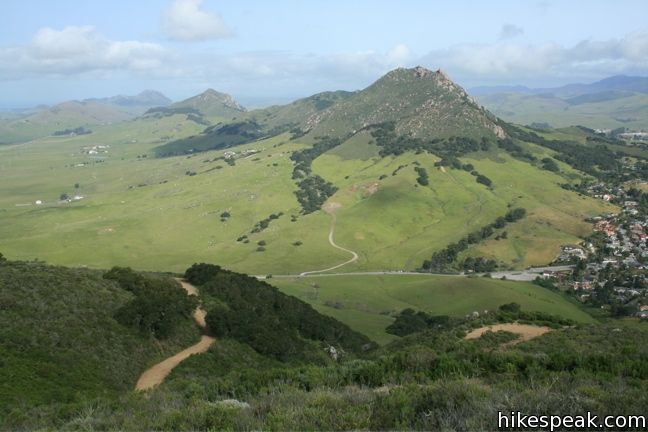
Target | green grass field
(366,303)
(149,214)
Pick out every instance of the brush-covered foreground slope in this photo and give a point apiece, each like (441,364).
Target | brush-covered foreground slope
(70,335)
(61,340)
(433,380)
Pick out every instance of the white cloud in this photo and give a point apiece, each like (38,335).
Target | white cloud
(76,50)
(399,55)
(509,31)
(185,20)
(508,60)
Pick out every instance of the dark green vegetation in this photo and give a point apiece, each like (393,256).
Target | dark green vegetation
(410,321)
(76,131)
(392,143)
(599,161)
(252,312)
(442,261)
(430,379)
(159,306)
(313,190)
(61,339)
(265,223)
(214,138)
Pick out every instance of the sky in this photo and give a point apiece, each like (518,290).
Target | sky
(273,51)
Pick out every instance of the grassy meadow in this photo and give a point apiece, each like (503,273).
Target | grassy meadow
(165,214)
(367,303)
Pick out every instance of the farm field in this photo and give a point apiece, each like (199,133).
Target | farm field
(365,303)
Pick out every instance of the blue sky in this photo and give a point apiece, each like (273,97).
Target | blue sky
(276,50)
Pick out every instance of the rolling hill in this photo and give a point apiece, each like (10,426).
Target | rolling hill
(66,115)
(618,101)
(211,103)
(145,99)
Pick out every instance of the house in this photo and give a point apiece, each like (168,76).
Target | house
(642,315)
(643,308)
(585,285)
(39,202)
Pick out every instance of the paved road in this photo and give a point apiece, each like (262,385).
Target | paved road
(526,275)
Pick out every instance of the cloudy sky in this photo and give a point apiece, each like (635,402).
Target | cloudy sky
(269,51)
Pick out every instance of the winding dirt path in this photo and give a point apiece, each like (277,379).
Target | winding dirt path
(156,374)
(354,255)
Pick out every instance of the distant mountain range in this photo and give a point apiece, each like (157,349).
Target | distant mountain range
(614,83)
(617,101)
(147,98)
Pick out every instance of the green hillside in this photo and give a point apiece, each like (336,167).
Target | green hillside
(598,111)
(61,339)
(254,125)
(424,104)
(368,303)
(396,199)
(67,115)
(213,104)
(429,380)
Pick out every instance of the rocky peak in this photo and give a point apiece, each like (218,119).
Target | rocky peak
(422,72)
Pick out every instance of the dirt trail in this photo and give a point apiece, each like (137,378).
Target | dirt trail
(156,374)
(354,256)
(526,332)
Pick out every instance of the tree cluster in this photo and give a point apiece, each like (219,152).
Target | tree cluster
(443,260)
(272,323)
(410,321)
(392,143)
(313,192)
(422,178)
(265,223)
(158,304)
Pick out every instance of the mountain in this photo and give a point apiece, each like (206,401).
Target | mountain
(256,124)
(212,103)
(622,83)
(617,101)
(423,104)
(420,103)
(145,99)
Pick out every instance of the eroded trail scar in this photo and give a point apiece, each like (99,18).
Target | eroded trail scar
(156,374)
(354,255)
